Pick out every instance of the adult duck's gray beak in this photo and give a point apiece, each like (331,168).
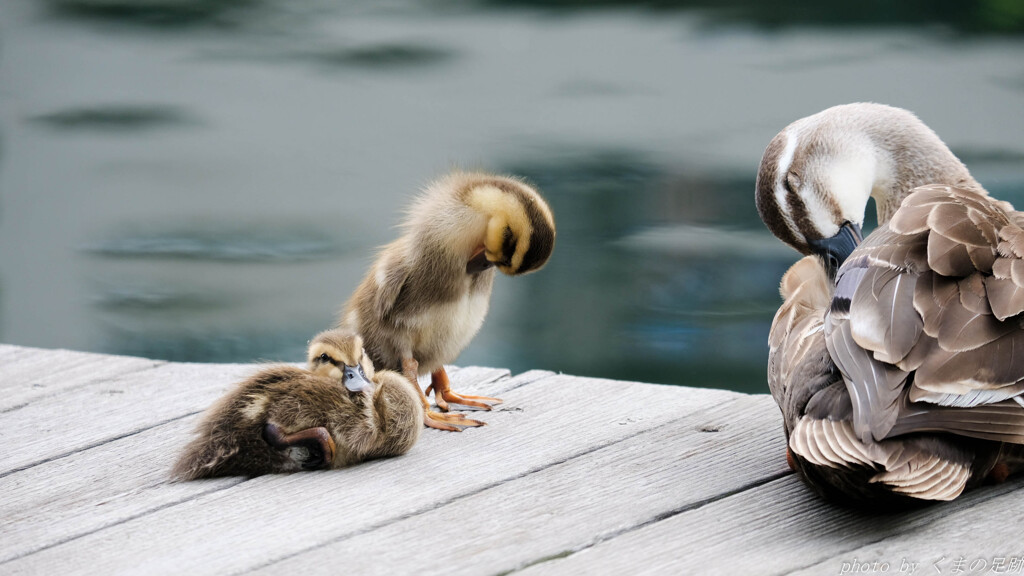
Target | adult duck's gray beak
(835,250)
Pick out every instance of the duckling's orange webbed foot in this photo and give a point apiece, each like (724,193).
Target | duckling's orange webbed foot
(451,422)
(431,419)
(443,394)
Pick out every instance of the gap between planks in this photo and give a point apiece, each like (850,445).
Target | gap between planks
(265,497)
(785,528)
(70,477)
(678,450)
(29,374)
(659,518)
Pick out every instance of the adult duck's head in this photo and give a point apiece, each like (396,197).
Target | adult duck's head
(817,175)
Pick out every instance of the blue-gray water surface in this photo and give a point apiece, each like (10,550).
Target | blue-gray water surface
(207,181)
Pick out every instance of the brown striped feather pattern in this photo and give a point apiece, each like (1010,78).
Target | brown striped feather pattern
(818,413)
(916,344)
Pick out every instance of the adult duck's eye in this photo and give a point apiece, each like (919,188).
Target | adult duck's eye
(792,182)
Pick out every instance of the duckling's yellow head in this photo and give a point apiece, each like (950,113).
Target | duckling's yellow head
(339,354)
(520,231)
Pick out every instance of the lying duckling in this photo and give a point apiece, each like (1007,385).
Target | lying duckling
(906,384)
(427,294)
(286,419)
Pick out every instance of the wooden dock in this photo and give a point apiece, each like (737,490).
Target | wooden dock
(571,476)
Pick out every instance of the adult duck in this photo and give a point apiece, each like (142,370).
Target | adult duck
(897,361)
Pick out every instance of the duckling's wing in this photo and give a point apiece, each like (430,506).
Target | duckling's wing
(390,276)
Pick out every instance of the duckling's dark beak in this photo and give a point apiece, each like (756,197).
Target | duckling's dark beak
(355,381)
(478,263)
(835,250)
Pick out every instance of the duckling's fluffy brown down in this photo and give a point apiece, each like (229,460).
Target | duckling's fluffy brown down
(428,292)
(286,419)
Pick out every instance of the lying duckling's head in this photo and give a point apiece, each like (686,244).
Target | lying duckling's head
(338,354)
(520,232)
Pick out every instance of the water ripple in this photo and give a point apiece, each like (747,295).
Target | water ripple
(236,247)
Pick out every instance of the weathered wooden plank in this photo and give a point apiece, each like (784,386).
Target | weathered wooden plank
(771,529)
(983,538)
(65,498)
(102,411)
(71,496)
(532,490)
(542,423)
(475,376)
(8,351)
(27,374)
(573,504)
(470,379)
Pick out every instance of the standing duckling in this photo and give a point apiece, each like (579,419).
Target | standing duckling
(427,294)
(286,419)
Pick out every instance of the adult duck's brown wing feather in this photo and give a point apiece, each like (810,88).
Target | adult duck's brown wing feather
(935,320)
(804,291)
(818,409)
(874,323)
(922,468)
(1005,287)
(1000,422)
(885,322)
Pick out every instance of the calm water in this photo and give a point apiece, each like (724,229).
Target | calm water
(204,180)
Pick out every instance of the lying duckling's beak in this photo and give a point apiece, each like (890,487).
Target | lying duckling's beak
(355,381)
(835,250)
(478,262)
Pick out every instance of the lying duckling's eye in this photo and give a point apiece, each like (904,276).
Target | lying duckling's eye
(324,357)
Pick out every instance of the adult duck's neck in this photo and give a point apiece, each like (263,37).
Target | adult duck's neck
(908,154)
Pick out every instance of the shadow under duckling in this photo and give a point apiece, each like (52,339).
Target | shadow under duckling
(428,292)
(286,419)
